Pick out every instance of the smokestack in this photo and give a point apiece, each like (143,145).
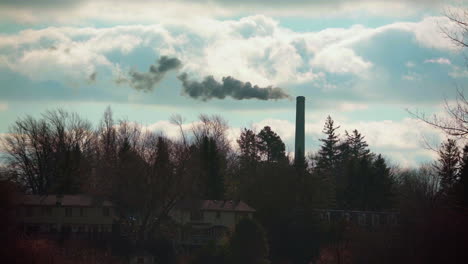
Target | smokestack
(299,144)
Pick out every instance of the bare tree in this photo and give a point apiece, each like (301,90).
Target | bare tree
(143,172)
(459,33)
(455,123)
(48,154)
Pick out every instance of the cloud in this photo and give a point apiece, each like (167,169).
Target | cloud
(257,49)
(341,60)
(169,129)
(458,72)
(410,64)
(145,81)
(412,76)
(438,61)
(209,88)
(56,11)
(61,63)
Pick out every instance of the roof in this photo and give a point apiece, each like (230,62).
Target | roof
(214,205)
(64,200)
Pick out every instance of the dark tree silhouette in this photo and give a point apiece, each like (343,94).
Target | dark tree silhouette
(329,152)
(270,145)
(461,187)
(48,155)
(448,166)
(248,145)
(211,162)
(248,243)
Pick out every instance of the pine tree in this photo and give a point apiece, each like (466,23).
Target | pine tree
(461,188)
(358,147)
(271,145)
(211,168)
(448,166)
(329,151)
(381,185)
(327,161)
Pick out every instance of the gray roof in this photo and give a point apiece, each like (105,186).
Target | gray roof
(214,205)
(83,200)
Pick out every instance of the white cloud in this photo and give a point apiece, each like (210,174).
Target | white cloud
(341,60)
(412,76)
(254,48)
(170,130)
(410,64)
(348,107)
(157,11)
(458,72)
(438,61)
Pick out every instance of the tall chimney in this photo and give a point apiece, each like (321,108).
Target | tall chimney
(299,144)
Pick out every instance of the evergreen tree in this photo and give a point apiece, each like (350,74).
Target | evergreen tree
(329,151)
(249,159)
(211,163)
(461,188)
(381,185)
(327,161)
(357,146)
(448,166)
(270,145)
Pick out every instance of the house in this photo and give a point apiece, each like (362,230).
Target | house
(366,219)
(76,215)
(142,257)
(202,221)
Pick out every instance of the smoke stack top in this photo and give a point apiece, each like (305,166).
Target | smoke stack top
(300,129)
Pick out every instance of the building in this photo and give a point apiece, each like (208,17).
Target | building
(202,221)
(365,219)
(75,215)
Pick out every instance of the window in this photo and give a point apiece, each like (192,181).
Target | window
(29,211)
(196,215)
(105,211)
(46,211)
(82,211)
(240,215)
(68,212)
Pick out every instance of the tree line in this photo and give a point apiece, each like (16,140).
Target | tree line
(145,173)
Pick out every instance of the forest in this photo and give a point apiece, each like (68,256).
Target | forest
(145,173)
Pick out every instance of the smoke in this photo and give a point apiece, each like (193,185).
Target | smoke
(145,81)
(92,77)
(210,88)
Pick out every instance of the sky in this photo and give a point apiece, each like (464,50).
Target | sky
(364,63)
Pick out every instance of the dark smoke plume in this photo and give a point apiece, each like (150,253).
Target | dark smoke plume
(210,88)
(145,81)
(92,77)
